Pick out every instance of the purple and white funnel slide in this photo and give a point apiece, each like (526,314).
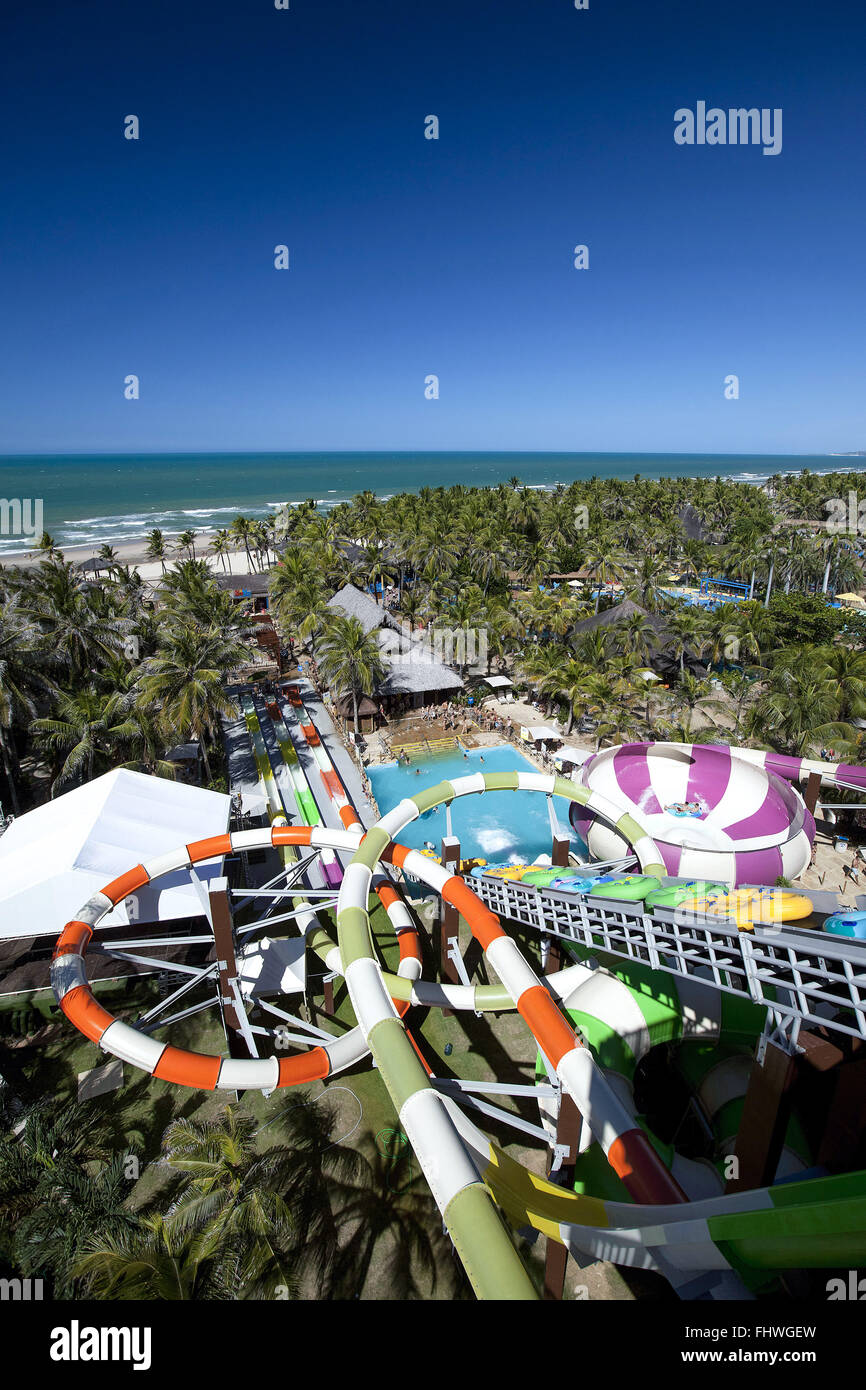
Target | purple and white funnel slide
(713,813)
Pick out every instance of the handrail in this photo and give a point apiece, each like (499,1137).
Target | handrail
(801,975)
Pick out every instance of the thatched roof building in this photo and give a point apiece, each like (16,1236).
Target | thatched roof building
(663,658)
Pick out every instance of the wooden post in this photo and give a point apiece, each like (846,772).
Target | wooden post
(559,852)
(568,1127)
(766,1112)
(559,859)
(328,1003)
(813,787)
(845,1125)
(221,919)
(449,917)
(555,959)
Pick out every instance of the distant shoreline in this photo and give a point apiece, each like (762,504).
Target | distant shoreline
(134,554)
(180,492)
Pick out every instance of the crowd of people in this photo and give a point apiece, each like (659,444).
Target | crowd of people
(450,716)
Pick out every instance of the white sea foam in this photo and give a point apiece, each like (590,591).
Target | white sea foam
(207,511)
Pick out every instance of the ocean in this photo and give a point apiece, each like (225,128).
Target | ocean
(88,500)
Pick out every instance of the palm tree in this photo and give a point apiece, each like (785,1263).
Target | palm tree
(846,671)
(156,547)
(691,694)
(648,580)
(84,730)
(185,544)
(144,743)
(741,689)
(637,637)
(604,562)
(78,632)
(619,724)
(48,546)
(720,635)
(799,708)
(242,528)
(411,606)
(543,668)
(684,626)
(159,1260)
(393,1219)
(107,556)
(221,545)
(75,1206)
(249,1217)
(350,660)
(60,1182)
(24,661)
(184,681)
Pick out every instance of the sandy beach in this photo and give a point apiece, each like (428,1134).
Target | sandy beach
(134,554)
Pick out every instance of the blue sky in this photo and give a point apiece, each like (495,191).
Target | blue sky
(411,256)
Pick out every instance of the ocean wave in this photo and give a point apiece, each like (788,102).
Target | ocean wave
(207,511)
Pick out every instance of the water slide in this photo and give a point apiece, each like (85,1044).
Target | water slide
(684,1240)
(351,1047)
(304,724)
(267,780)
(308,811)
(305,802)
(715,812)
(675,1238)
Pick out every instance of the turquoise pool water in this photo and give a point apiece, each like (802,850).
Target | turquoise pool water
(498,826)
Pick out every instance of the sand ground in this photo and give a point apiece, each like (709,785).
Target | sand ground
(133,554)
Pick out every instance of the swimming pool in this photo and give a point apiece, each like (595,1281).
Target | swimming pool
(498,826)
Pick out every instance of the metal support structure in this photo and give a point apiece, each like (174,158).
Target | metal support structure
(201,892)
(801,976)
(300,890)
(186,1013)
(455,955)
(309,1028)
(449,918)
(494,1112)
(287,875)
(117,945)
(176,966)
(495,1088)
(244,1028)
(145,1019)
(281,917)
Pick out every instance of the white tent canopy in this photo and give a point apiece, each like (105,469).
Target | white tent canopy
(497,682)
(538,733)
(54,858)
(576,756)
